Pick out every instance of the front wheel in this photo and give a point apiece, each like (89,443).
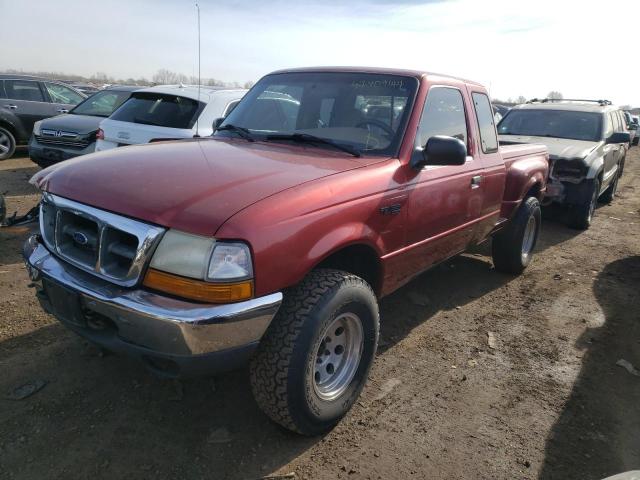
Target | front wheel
(7,144)
(512,248)
(581,215)
(610,193)
(313,361)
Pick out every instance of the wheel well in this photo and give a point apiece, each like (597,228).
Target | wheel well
(534,191)
(8,126)
(361,260)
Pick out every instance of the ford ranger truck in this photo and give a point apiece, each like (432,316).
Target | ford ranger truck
(273,241)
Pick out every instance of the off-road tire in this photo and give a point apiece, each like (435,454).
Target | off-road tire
(581,216)
(609,194)
(282,369)
(7,140)
(507,245)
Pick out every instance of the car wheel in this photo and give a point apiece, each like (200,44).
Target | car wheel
(610,192)
(313,361)
(512,248)
(581,215)
(7,144)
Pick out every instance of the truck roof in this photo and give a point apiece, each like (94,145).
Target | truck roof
(379,70)
(191,91)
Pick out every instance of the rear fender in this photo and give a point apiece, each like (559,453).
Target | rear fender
(523,176)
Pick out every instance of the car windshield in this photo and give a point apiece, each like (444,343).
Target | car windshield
(159,109)
(364,112)
(553,123)
(101,104)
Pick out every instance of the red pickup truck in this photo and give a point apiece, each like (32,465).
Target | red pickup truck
(272,241)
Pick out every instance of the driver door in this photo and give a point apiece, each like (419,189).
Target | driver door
(444,202)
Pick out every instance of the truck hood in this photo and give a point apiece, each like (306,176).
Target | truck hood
(190,185)
(69,122)
(558,147)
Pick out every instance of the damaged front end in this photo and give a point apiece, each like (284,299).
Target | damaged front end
(565,174)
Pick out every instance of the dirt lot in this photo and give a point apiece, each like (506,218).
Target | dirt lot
(479,375)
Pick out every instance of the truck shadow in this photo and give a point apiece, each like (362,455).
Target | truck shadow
(605,397)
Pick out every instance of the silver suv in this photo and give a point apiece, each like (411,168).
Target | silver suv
(587,141)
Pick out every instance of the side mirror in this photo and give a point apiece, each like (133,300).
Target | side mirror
(441,150)
(217,122)
(619,137)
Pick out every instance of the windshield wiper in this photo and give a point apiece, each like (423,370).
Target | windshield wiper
(243,132)
(308,138)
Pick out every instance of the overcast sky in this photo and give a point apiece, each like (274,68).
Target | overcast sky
(581,48)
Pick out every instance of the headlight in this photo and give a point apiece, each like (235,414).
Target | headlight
(201,268)
(36,127)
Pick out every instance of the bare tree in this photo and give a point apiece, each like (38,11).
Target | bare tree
(249,84)
(521,99)
(553,95)
(167,77)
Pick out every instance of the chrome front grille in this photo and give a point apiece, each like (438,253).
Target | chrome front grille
(68,141)
(108,245)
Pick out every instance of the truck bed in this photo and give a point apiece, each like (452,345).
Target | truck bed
(512,152)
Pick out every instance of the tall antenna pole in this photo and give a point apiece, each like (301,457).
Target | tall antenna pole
(199,81)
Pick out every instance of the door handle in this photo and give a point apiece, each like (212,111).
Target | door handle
(63,110)
(475,181)
(12,107)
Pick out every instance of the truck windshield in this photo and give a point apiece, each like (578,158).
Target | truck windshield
(101,104)
(159,109)
(362,111)
(553,123)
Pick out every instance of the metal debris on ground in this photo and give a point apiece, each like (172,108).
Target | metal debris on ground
(31,216)
(628,367)
(491,340)
(26,390)
(286,476)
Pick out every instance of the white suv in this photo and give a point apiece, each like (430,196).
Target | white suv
(166,112)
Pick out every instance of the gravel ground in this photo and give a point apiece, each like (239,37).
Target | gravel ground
(479,375)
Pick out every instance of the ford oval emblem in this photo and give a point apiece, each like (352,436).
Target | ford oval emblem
(80,238)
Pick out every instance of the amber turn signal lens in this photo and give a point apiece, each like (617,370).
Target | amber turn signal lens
(197,289)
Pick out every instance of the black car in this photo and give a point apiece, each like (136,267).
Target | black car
(74,134)
(24,100)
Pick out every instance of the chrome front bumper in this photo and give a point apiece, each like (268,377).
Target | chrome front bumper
(160,329)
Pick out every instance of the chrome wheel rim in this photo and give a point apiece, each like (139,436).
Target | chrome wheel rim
(338,356)
(529,237)
(5,144)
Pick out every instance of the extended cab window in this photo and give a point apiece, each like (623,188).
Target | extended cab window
(61,94)
(23,90)
(158,109)
(443,114)
(484,112)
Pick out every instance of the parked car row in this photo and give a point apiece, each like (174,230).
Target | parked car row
(270,237)
(60,122)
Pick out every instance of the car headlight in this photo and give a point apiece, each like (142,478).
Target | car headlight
(36,127)
(201,268)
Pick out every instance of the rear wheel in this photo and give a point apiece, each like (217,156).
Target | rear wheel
(7,144)
(512,248)
(581,215)
(314,359)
